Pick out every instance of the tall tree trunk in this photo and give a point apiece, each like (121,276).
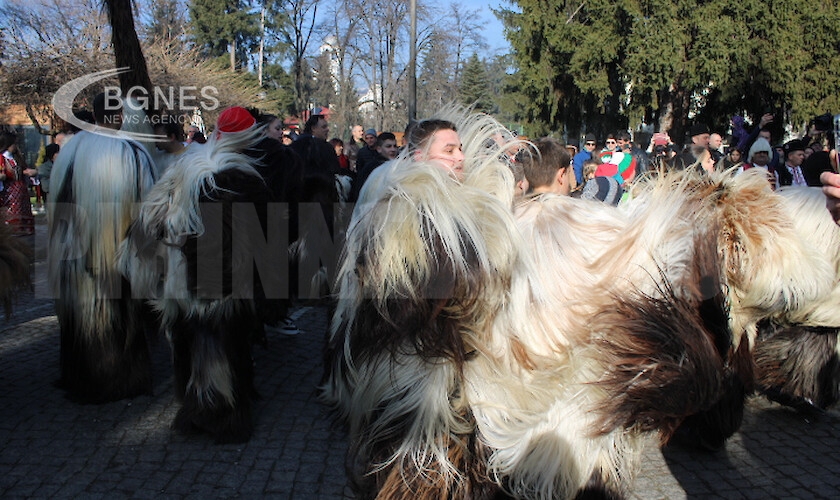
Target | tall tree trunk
(127,50)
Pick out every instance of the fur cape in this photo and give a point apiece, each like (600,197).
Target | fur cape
(473,354)
(203,250)
(768,270)
(97,182)
(796,355)
(426,265)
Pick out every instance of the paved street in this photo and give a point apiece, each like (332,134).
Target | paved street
(54,448)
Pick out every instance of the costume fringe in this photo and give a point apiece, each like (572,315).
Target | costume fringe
(796,354)
(211,320)
(554,364)
(98,182)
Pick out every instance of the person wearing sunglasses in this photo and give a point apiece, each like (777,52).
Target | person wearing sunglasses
(589,145)
(611,144)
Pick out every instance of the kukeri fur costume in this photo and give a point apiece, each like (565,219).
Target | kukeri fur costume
(796,355)
(476,355)
(768,270)
(208,250)
(97,183)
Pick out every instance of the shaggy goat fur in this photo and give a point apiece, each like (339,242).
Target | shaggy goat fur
(468,362)
(464,361)
(796,355)
(192,252)
(97,182)
(769,270)
(427,263)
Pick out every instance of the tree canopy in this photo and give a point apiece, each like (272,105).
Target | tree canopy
(596,64)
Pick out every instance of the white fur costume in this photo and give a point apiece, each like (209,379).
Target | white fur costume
(474,354)
(97,182)
(797,354)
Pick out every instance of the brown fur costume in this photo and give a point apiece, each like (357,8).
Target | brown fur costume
(474,355)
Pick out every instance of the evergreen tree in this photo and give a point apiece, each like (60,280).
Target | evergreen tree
(224,26)
(280,88)
(474,89)
(664,60)
(165,21)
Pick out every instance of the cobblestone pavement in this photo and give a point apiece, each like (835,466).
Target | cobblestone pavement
(54,448)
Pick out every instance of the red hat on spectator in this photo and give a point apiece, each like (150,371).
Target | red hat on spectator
(235,119)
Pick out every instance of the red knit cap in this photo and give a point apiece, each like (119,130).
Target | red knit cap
(235,119)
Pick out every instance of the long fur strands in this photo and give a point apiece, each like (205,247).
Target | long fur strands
(211,321)
(426,265)
(796,355)
(755,229)
(171,213)
(464,361)
(98,181)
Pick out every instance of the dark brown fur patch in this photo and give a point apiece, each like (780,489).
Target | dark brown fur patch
(798,363)
(467,454)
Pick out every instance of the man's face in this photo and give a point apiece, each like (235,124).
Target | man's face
(388,149)
(700,140)
(358,133)
(321,129)
(623,143)
(589,146)
(445,149)
(610,144)
(370,140)
(795,158)
(715,141)
(761,158)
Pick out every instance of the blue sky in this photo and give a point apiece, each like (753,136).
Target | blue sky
(493,30)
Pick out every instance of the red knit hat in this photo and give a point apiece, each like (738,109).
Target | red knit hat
(235,119)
